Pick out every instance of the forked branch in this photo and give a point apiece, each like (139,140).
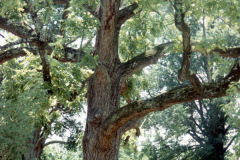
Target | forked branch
(165,100)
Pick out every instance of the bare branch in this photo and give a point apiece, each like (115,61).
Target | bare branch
(195,136)
(145,59)
(126,13)
(229,144)
(194,120)
(165,100)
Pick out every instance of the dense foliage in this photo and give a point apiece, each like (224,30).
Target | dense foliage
(52,50)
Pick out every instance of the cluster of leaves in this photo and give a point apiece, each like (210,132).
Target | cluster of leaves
(23,103)
(57,152)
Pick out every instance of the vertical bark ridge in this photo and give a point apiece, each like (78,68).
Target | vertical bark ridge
(104,87)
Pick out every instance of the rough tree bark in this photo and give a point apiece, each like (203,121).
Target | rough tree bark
(104,87)
(106,120)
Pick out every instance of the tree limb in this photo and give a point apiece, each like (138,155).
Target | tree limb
(194,120)
(200,110)
(231,52)
(165,100)
(71,55)
(10,44)
(16,28)
(54,142)
(184,72)
(229,144)
(39,142)
(145,59)
(133,124)
(185,29)
(126,13)
(195,136)
(13,53)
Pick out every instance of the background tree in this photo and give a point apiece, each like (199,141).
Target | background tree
(209,133)
(106,121)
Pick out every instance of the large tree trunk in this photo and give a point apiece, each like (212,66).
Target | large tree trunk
(104,88)
(35,146)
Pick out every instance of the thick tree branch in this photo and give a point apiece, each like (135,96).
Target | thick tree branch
(71,55)
(11,54)
(167,99)
(231,52)
(133,124)
(126,13)
(14,53)
(145,59)
(184,72)
(180,24)
(16,28)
